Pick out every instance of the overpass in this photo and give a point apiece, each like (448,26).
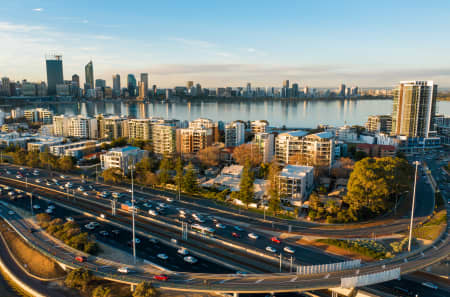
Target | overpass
(251,283)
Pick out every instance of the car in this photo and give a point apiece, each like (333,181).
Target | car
(115,232)
(430,285)
(241,272)
(62,177)
(190,260)
(10,212)
(168,199)
(162,256)
(137,240)
(62,187)
(147,205)
(182,215)
(69,219)
(51,206)
(123,270)
(182,251)
(275,239)
(48,183)
(253,236)
(49,210)
(18,176)
(36,206)
(289,250)
(85,193)
(163,205)
(153,240)
(235,235)
(21,168)
(152,212)
(80,259)
(237,228)
(11,193)
(115,194)
(199,219)
(89,227)
(54,180)
(271,249)
(37,180)
(32,230)
(161,277)
(80,188)
(103,233)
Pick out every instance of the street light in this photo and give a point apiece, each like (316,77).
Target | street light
(417,163)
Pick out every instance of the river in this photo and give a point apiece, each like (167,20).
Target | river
(295,114)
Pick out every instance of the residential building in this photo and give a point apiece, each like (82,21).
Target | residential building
(376,150)
(414,109)
(140,129)
(192,140)
(208,124)
(122,158)
(443,129)
(163,139)
(295,183)
(112,127)
(39,115)
(265,143)
(39,143)
(55,77)
(259,126)
(89,72)
(234,134)
(346,133)
(75,149)
(75,126)
(379,124)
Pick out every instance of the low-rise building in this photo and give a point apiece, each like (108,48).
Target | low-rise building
(296,183)
(379,124)
(75,149)
(376,150)
(122,158)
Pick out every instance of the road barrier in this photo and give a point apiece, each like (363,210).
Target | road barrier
(370,279)
(326,268)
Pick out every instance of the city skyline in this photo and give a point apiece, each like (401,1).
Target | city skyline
(230,45)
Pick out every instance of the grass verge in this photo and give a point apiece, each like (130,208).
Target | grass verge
(367,248)
(431,229)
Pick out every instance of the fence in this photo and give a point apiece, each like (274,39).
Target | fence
(327,268)
(370,279)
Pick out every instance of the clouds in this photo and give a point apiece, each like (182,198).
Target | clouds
(38,9)
(18,28)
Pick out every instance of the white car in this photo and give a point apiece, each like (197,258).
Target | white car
(89,227)
(162,256)
(253,236)
(163,205)
(220,226)
(190,259)
(80,188)
(123,270)
(430,285)
(170,200)
(271,249)
(18,176)
(183,251)
(48,183)
(62,177)
(49,210)
(69,219)
(199,219)
(10,212)
(36,206)
(289,250)
(37,180)
(102,216)
(85,193)
(152,212)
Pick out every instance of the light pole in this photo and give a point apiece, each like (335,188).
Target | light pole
(132,214)
(417,163)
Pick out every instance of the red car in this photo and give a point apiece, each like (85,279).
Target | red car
(161,277)
(236,235)
(275,239)
(80,259)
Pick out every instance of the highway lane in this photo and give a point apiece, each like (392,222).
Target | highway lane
(251,219)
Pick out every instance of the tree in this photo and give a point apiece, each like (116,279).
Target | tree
(33,159)
(343,168)
(179,173)
(20,157)
(78,279)
(101,291)
(189,183)
(209,156)
(143,171)
(359,155)
(118,142)
(273,184)
(246,188)
(164,168)
(248,152)
(66,163)
(145,289)
(113,175)
(48,160)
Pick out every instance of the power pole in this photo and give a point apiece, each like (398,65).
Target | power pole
(417,163)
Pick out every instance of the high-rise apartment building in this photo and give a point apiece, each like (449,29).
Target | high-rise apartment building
(192,140)
(89,73)
(75,126)
(54,73)
(234,134)
(299,148)
(144,81)
(379,124)
(112,127)
(140,129)
(41,115)
(163,139)
(258,126)
(265,143)
(414,108)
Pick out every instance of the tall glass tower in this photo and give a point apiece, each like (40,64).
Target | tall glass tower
(131,84)
(89,71)
(54,73)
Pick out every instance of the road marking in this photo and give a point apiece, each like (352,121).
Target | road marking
(293,280)
(258,281)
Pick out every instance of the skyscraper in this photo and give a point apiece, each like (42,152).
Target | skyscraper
(189,84)
(341,91)
(285,92)
(414,108)
(116,84)
(144,80)
(131,84)
(54,73)
(294,90)
(89,71)
(76,80)
(100,83)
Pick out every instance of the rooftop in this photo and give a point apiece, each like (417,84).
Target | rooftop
(324,135)
(297,133)
(233,170)
(124,149)
(296,171)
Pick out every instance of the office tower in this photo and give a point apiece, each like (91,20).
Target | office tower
(6,87)
(131,85)
(234,134)
(198,89)
(154,90)
(142,90)
(249,89)
(341,91)
(189,84)
(306,91)
(54,73)
(116,84)
(285,90)
(100,83)
(89,72)
(379,124)
(76,80)
(294,90)
(354,91)
(144,80)
(414,108)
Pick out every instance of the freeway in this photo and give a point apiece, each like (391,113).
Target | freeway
(285,282)
(388,226)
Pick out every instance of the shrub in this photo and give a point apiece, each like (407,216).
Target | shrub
(78,279)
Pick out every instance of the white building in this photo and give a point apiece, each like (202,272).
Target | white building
(122,158)
(259,126)
(39,115)
(75,126)
(296,183)
(265,142)
(234,134)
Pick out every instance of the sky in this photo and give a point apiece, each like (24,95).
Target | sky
(229,43)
